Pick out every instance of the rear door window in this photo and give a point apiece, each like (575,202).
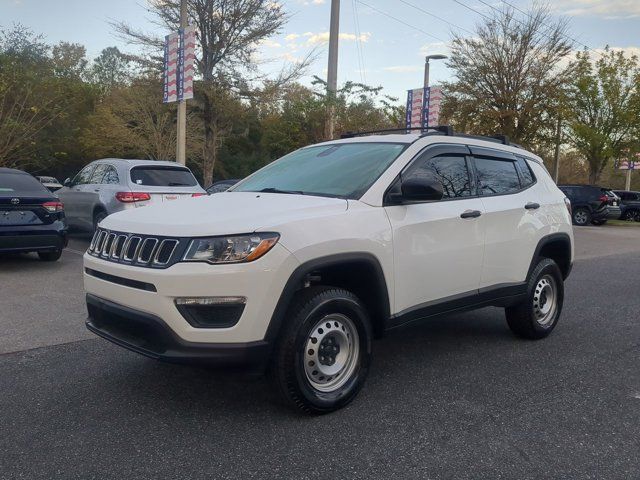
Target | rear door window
(525,172)
(496,177)
(84,175)
(110,176)
(161,176)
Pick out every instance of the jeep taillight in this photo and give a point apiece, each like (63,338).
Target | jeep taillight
(567,203)
(130,197)
(603,198)
(53,207)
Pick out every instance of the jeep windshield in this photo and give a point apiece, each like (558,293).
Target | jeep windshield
(345,170)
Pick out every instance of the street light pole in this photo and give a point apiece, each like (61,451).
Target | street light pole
(332,68)
(181,141)
(426,71)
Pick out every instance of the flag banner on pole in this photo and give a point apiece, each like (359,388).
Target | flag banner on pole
(433,109)
(415,106)
(627,164)
(180,83)
(189,57)
(171,44)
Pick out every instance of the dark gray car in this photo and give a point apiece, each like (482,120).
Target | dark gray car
(111,185)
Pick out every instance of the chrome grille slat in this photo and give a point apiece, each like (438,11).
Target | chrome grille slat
(133,249)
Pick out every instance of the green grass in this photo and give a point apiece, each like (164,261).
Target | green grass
(622,223)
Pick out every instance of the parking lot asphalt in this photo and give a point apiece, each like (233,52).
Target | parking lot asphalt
(457,397)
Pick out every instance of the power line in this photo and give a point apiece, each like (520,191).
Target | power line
(550,28)
(359,48)
(400,21)
(453,25)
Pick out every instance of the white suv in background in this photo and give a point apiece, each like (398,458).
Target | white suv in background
(299,266)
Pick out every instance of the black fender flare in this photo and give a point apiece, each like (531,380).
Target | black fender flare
(554,237)
(297,278)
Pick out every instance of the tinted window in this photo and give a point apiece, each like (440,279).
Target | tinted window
(344,170)
(110,176)
(98,173)
(11,183)
(497,176)
(163,176)
(451,171)
(84,175)
(525,171)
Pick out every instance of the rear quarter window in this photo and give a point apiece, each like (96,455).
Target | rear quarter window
(160,176)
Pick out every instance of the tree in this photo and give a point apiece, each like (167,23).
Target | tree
(604,108)
(69,60)
(228,33)
(110,69)
(508,77)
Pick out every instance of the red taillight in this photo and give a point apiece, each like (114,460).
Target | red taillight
(603,198)
(53,207)
(130,197)
(197,194)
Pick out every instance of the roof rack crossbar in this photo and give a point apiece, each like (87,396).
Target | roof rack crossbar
(444,129)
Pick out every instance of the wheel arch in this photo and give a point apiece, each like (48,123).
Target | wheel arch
(340,270)
(558,248)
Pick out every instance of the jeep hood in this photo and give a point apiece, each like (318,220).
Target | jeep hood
(222,214)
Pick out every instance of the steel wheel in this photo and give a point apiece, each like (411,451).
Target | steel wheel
(545,301)
(331,352)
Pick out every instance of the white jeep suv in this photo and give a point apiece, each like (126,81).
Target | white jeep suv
(297,267)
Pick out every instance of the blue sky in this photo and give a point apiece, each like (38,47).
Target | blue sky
(392,48)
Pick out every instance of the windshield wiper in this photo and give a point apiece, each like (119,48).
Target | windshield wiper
(277,190)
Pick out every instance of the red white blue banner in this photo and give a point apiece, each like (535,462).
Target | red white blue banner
(171,46)
(423,107)
(179,59)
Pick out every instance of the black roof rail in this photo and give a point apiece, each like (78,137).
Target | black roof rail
(443,129)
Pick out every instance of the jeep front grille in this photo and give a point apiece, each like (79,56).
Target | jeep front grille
(133,249)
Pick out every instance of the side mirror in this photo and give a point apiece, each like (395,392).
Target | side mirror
(67,182)
(421,189)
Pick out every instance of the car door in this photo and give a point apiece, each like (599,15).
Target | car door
(513,214)
(88,196)
(438,245)
(72,195)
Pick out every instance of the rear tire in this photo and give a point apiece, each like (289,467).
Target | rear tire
(322,356)
(50,256)
(581,217)
(537,316)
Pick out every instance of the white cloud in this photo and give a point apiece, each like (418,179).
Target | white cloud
(291,37)
(404,68)
(607,9)
(323,37)
(318,2)
(433,47)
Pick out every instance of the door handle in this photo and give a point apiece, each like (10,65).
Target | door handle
(532,206)
(96,189)
(470,214)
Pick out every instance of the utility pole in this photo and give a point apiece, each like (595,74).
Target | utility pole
(332,70)
(425,84)
(181,143)
(556,165)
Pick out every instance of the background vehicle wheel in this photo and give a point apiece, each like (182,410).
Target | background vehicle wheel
(322,356)
(537,316)
(632,215)
(50,256)
(98,217)
(581,216)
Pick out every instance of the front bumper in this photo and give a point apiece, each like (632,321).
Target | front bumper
(149,335)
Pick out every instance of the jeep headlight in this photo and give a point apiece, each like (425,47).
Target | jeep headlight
(230,249)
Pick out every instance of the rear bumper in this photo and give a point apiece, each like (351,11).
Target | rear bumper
(149,335)
(609,213)
(31,239)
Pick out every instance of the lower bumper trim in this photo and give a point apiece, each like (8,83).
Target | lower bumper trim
(149,335)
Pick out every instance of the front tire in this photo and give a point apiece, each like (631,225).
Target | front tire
(322,357)
(537,316)
(50,256)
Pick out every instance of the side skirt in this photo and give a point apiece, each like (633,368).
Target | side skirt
(503,295)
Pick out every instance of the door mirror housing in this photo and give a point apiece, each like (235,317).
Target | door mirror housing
(67,182)
(421,188)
